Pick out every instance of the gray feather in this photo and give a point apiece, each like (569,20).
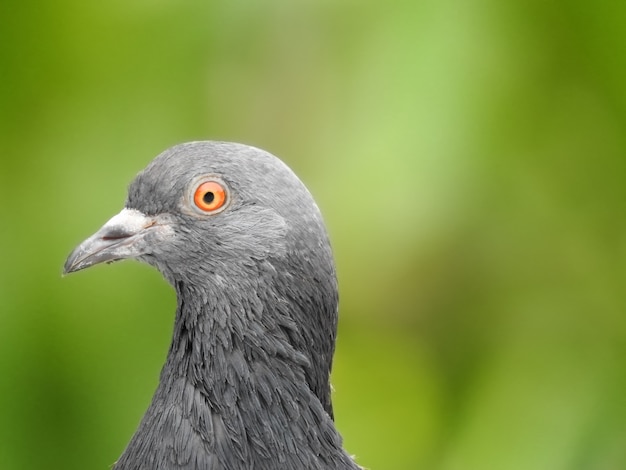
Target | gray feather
(246,381)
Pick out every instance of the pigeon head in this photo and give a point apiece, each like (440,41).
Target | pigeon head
(246,380)
(207,212)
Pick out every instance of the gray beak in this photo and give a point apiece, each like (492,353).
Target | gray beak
(129,234)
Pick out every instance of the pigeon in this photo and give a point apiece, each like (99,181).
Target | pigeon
(246,381)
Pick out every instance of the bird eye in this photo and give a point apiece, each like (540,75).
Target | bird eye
(209,196)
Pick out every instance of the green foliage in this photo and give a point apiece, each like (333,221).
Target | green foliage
(469,158)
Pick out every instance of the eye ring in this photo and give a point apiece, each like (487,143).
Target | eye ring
(210,196)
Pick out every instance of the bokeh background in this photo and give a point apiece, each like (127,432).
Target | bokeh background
(470,160)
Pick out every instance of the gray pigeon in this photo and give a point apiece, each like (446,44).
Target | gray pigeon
(246,380)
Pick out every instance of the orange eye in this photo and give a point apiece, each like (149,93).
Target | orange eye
(209,196)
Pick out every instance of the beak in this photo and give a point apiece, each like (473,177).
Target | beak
(129,234)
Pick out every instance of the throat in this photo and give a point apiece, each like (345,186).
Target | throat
(234,390)
(226,348)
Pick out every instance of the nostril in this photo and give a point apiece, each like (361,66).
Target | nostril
(116,233)
(119,232)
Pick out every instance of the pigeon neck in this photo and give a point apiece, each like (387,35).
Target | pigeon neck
(221,339)
(235,393)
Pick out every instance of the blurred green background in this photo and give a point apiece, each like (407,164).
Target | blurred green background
(469,158)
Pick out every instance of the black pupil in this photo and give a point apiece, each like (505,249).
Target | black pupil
(208,197)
